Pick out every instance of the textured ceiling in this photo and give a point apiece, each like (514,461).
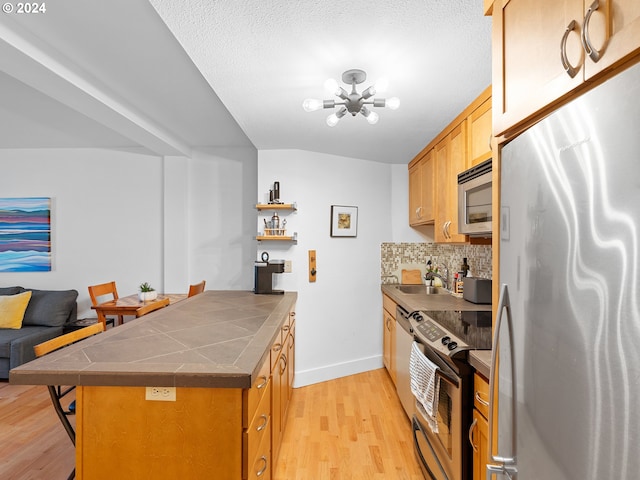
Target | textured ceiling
(167,75)
(263,58)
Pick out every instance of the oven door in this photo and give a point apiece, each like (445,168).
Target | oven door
(440,454)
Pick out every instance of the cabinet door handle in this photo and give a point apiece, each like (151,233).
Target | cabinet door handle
(586,41)
(260,472)
(419,212)
(570,69)
(265,380)
(261,427)
(480,400)
(471,429)
(283,363)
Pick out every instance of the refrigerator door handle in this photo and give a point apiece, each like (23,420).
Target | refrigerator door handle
(510,472)
(507,466)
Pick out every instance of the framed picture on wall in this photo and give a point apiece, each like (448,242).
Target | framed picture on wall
(344,221)
(25,234)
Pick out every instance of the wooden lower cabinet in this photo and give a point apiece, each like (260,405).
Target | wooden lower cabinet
(389,336)
(479,431)
(282,375)
(481,446)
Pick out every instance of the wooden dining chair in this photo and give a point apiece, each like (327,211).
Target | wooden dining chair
(59,392)
(151,306)
(196,289)
(110,289)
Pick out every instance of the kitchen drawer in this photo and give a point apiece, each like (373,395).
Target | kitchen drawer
(252,396)
(481,395)
(389,305)
(259,467)
(260,427)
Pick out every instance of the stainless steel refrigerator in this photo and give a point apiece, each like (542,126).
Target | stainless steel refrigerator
(569,314)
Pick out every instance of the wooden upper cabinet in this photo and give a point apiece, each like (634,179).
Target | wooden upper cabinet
(527,71)
(421,191)
(450,155)
(538,55)
(479,126)
(614,32)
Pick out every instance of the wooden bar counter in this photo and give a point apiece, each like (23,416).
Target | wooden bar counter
(214,349)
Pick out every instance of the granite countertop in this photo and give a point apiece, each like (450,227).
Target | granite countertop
(479,359)
(214,339)
(413,302)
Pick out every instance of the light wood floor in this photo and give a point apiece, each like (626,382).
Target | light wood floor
(351,428)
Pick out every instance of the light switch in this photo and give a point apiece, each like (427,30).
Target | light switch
(287,266)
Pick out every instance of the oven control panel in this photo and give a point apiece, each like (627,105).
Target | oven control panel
(429,332)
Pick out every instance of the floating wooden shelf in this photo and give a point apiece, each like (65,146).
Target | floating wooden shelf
(281,238)
(276,206)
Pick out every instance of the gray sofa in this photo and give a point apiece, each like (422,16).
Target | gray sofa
(47,313)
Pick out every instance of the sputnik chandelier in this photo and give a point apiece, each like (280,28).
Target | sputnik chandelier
(353,102)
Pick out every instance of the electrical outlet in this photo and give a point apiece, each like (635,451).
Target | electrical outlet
(287,266)
(163,394)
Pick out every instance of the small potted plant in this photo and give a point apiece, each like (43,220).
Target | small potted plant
(147,292)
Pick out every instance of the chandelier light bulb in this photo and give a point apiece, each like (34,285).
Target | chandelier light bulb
(332,120)
(393,103)
(312,104)
(332,85)
(372,118)
(381,85)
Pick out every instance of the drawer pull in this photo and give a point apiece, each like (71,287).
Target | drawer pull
(261,427)
(260,472)
(265,380)
(277,347)
(480,400)
(285,328)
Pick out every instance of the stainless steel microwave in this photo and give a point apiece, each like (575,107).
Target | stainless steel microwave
(474,200)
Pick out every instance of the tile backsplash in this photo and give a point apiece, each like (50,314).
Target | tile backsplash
(396,256)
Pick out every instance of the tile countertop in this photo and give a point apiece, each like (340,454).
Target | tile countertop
(214,339)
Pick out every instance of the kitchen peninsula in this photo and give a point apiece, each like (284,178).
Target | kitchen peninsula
(215,350)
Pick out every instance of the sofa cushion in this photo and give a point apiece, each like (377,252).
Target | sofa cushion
(12,309)
(10,290)
(50,308)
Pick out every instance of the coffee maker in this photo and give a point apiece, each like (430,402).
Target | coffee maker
(264,271)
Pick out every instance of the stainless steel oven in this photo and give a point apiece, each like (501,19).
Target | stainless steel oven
(444,338)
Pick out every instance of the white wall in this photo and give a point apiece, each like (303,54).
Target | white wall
(106,216)
(339,317)
(222,198)
(133,217)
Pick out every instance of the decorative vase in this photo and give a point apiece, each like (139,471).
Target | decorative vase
(146,296)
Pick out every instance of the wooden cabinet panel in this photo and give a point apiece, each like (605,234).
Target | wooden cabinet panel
(527,71)
(480,442)
(199,433)
(389,336)
(529,77)
(614,31)
(451,158)
(479,132)
(421,191)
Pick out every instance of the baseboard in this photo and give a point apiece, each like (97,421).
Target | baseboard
(331,372)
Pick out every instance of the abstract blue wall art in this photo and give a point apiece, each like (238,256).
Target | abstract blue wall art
(25,234)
